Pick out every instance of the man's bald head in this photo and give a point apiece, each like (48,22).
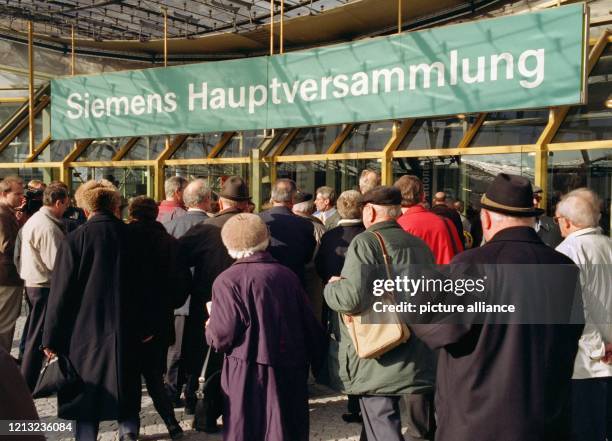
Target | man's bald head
(439,198)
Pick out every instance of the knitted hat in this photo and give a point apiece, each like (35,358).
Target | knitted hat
(243,232)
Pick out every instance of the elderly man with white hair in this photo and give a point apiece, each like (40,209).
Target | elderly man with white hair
(578,216)
(261,320)
(189,318)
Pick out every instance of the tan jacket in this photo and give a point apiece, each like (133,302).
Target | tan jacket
(40,238)
(9,227)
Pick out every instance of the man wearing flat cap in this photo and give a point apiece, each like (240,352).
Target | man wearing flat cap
(408,369)
(504,381)
(202,249)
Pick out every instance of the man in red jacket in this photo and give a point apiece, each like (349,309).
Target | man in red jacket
(437,232)
(173,205)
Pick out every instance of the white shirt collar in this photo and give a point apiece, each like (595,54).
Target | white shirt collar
(584,231)
(196,209)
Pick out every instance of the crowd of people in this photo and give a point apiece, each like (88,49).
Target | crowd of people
(228,313)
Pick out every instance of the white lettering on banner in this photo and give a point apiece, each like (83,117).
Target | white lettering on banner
(529,69)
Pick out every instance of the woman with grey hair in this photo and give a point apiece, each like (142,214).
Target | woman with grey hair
(578,216)
(330,259)
(261,320)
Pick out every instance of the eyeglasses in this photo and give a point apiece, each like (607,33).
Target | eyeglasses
(556,219)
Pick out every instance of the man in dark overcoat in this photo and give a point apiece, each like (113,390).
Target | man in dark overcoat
(292,240)
(330,260)
(201,248)
(164,284)
(508,382)
(262,321)
(197,200)
(93,317)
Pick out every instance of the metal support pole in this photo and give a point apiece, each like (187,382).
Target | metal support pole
(271,27)
(31,83)
(165,12)
(282,23)
(399,16)
(72,55)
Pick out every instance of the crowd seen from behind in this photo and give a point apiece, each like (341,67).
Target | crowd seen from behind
(228,313)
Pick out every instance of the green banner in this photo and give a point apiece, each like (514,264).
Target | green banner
(513,62)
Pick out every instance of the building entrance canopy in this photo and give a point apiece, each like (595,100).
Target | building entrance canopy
(521,61)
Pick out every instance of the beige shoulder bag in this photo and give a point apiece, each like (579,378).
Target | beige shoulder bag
(373,340)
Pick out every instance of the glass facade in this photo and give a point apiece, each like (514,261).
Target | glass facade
(102,149)
(435,133)
(510,128)
(592,121)
(463,177)
(242,143)
(56,151)
(341,175)
(197,146)
(313,140)
(568,170)
(214,174)
(367,137)
(131,181)
(19,148)
(146,148)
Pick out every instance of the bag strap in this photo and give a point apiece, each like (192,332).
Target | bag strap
(385,254)
(450,233)
(200,391)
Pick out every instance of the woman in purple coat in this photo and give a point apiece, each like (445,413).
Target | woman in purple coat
(261,319)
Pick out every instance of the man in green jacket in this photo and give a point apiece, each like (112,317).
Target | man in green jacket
(408,369)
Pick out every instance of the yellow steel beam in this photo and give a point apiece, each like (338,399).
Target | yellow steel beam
(466,151)
(221,144)
(471,132)
(281,148)
(31,128)
(558,114)
(79,147)
(582,145)
(113,164)
(37,151)
(14,99)
(19,165)
(386,169)
(158,164)
(332,157)
(23,123)
(205,161)
(125,148)
(333,148)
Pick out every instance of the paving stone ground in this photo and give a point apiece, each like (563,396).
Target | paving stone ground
(325,405)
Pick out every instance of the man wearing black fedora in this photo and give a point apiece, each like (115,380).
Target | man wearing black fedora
(202,249)
(509,381)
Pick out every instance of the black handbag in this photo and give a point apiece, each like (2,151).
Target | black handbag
(57,375)
(207,384)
